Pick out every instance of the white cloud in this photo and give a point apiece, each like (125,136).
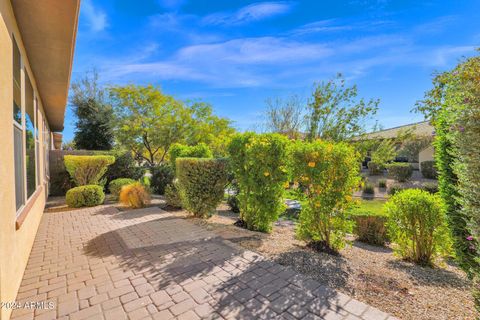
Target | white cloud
(253,12)
(95,18)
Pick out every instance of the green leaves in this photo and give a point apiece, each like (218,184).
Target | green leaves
(149,122)
(87,170)
(259,164)
(334,113)
(329,173)
(418,226)
(201,184)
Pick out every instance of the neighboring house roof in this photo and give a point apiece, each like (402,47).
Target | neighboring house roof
(48,29)
(423,128)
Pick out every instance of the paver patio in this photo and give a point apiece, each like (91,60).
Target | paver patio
(102,263)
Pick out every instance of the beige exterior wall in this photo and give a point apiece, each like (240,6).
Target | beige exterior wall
(426,154)
(15,245)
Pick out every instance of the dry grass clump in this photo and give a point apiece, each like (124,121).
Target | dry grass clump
(134,196)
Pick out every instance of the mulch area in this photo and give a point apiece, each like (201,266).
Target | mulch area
(368,273)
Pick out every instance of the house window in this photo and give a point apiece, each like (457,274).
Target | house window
(46,147)
(18,129)
(30,138)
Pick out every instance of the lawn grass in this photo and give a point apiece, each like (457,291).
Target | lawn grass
(374,207)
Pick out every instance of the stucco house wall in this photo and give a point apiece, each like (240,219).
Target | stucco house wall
(19,227)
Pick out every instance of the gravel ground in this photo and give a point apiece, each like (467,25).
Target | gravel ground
(368,273)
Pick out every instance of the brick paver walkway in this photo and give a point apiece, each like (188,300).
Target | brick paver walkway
(99,263)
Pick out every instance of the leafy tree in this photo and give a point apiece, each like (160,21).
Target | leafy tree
(384,152)
(93,126)
(208,128)
(285,116)
(148,121)
(335,113)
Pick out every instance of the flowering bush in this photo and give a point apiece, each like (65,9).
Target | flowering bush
(259,164)
(418,226)
(201,184)
(330,174)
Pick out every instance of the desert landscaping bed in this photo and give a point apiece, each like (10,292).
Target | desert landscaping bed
(368,273)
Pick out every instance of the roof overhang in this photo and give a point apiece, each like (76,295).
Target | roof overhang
(48,29)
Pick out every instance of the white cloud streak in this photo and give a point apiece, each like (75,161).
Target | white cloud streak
(95,18)
(254,12)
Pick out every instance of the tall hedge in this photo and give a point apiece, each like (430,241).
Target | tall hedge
(178,150)
(329,173)
(87,170)
(201,184)
(259,164)
(454,107)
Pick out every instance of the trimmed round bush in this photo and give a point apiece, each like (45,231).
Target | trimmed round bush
(85,196)
(370,228)
(116,185)
(400,171)
(172,197)
(162,176)
(428,169)
(417,224)
(177,150)
(134,195)
(374,169)
(201,184)
(87,170)
(430,187)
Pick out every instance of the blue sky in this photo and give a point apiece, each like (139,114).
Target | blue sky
(236,54)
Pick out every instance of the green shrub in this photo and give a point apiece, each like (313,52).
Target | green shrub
(233,203)
(123,167)
(374,169)
(201,184)
(394,189)
(331,174)
(417,225)
(368,188)
(85,196)
(428,169)
(172,197)
(116,185)
(400,171)
(370,227)
(162,175)
(258,162)
(430,187)
(87,170)
(453,104)
(382,183)
(177,150)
